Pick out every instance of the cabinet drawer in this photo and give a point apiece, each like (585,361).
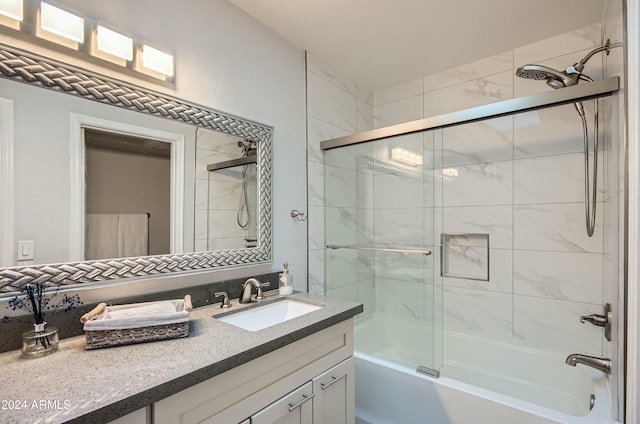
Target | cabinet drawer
(296,407)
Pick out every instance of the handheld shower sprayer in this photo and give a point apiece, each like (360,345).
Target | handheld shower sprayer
(249,148)
(572,75)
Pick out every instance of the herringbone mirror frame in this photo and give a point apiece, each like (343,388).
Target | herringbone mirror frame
(29,68)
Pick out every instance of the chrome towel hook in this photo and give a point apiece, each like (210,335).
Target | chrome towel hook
(297,214)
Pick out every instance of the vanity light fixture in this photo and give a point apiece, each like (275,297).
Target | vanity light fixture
(114,43)
(12,9)
(406,157)
(157,60)
(48,21)
(60,22)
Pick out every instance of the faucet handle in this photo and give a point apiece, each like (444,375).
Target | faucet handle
(225,300)
(260,295)
(594,319)
(605,320)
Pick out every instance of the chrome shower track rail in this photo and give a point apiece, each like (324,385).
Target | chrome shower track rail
(382,249)
(573,94)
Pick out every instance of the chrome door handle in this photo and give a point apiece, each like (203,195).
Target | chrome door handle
(334,380)
(305,398)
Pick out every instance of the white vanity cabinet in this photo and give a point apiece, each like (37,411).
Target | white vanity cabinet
(334,391)
(319,366)
(141,416)
(327,399)
(294,408)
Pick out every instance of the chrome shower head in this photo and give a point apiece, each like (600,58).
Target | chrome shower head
(570,76)
(555,79)
(248,147)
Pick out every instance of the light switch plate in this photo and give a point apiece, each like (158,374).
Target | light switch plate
(25,250)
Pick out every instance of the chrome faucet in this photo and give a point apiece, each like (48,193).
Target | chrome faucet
(245,297)
(601,364)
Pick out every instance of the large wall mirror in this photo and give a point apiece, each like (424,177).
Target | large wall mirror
(105,180)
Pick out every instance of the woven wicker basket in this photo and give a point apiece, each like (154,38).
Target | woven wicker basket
(171,326)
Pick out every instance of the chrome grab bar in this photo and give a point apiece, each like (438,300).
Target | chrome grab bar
(334,379)
(381,249)
(305,398)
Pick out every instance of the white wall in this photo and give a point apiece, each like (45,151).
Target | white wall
(228,61)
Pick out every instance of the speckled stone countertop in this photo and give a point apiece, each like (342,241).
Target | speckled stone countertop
(95,386)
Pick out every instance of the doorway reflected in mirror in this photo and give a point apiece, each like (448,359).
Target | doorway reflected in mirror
(127,198)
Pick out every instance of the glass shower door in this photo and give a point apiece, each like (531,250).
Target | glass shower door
(520,180)
(379,233)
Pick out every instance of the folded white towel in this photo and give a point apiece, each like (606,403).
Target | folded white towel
(139,315)
(156,308)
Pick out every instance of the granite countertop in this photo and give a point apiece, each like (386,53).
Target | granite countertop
(100,385)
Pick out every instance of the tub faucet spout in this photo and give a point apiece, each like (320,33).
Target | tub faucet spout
(601,364)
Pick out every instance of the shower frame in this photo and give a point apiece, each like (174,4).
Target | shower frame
(573,94)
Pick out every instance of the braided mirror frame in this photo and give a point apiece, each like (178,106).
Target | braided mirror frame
(26,67)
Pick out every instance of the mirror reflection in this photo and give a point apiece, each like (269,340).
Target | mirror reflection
(226,192)
(127,195)
(93,182)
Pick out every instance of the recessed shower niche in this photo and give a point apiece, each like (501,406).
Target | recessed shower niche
(465,255)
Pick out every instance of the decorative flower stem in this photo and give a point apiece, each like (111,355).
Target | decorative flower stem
(40,304)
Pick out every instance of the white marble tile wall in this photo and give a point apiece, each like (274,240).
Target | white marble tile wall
(495,136)
(337,106)
(520,179)
(554,325)
(477,312)
(478,92)
(549,131)
(403,298)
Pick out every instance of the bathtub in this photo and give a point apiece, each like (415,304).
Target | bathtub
(481,382)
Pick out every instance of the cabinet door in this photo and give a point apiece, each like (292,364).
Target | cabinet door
(137,417)
(334,390)
(294,408)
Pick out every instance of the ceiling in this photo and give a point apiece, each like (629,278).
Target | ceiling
(381,43)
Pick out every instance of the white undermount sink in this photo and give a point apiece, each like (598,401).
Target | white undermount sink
(270,314)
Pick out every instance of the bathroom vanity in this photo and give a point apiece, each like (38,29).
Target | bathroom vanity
(300,370)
